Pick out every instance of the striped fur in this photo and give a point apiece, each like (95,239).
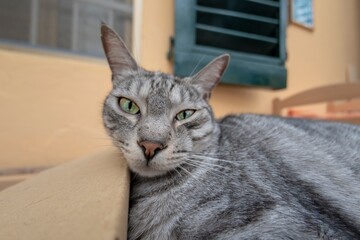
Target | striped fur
(242,177)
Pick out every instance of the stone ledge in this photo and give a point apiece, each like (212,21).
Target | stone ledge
(82,199)
(8,181)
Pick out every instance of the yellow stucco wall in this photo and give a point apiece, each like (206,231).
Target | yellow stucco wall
(51,106)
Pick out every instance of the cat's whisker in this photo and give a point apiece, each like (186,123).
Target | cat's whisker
(135,175)
(199,166)
(207,163)
(171,174)
(180,154)
(209,168)
(178,172)
(176,161)
(175,169)
(125,149)
(209,155)
(174,164)
(213,159)
(190,174)
(206,167)
(198,63)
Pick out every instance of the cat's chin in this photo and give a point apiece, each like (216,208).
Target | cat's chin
(148,171)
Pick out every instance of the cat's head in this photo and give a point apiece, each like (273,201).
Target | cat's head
(157,119)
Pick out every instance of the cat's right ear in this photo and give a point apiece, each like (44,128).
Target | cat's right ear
(208,77)
(117,54)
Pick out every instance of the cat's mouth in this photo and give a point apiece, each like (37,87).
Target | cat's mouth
(148,169)
(160,165)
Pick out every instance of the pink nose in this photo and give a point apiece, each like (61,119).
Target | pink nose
(150,148)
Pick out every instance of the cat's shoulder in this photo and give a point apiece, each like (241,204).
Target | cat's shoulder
(250,120)
(270,124)
(259,120)
(244,125)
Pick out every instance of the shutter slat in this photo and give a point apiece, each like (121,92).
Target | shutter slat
(243,6)
(237,33)
(266,2)
(237,14)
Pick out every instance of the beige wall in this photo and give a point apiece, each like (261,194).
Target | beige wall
(51,106)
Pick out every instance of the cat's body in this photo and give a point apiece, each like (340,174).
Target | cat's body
(282,179)
(245,177)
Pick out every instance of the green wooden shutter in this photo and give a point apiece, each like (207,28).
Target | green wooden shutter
(252,31)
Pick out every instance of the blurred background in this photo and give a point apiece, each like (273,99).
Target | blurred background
(54,77)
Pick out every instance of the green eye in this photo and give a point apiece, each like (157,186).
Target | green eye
(184,114)
(129,106)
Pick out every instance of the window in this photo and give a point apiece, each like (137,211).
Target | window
(252,31)
(302,13)
(62,24)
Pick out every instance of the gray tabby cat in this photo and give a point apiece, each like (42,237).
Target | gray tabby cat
(242,177)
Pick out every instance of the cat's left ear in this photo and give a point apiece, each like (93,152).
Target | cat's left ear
(208,77)
(117,54)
